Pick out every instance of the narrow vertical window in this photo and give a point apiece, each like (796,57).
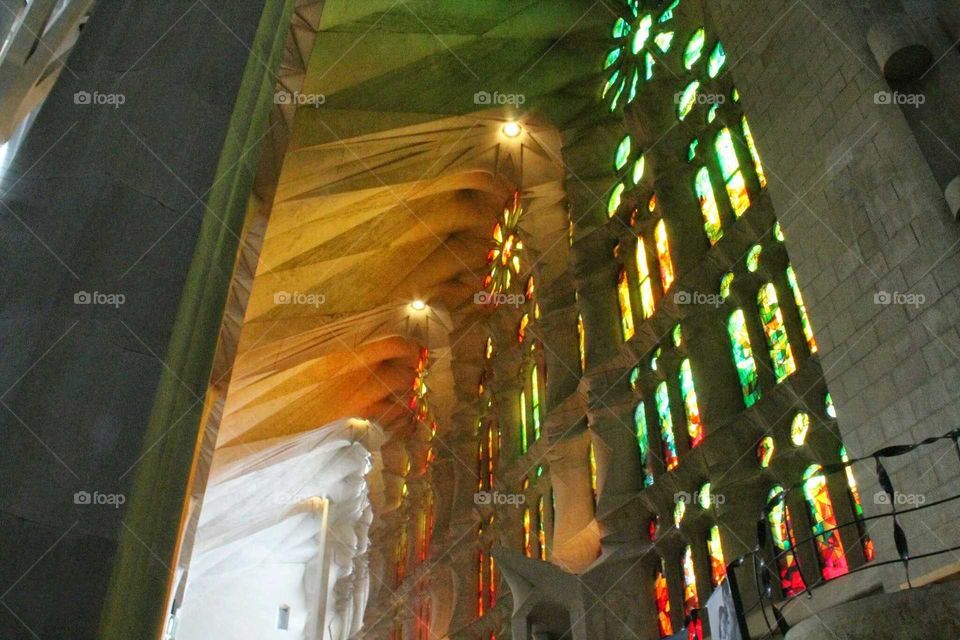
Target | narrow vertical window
(732,176)
(791,582)
(646,287)
(869,552)
(662,594)
(718,566)
(708,205)
(592,461)
(535,398)
(527,539)
(670,458)
(691,599)
(802,310)
(663,255)
(640,422)
(626,309)
(582,342)
(542,528)
(780,352)
(754,154)
(481,567)
(689,393)
(833,561)
(743,357)
(524,437)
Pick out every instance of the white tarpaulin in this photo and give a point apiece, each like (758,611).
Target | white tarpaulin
(258,562)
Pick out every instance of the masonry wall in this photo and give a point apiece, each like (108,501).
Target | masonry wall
(873,243)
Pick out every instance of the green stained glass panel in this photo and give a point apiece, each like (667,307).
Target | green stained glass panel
(615,198)
(772,318)
(642,35)
(687,100)
(716,61)
(743,357)
(694,48)
(670,458)
(725,283)
(640,422)
(664,40)
(638,167)
(622,154)
(708,205)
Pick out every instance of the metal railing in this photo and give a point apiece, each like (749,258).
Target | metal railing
(763,573)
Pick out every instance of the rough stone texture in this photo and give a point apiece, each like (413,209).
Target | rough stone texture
(108,200)
(863,216)
(925,612)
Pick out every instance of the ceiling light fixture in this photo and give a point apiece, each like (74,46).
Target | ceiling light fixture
(512,129)
(418,305)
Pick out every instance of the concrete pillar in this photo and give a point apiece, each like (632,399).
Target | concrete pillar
(119,223)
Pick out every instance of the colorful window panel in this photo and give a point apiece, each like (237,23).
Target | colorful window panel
(833,561)
(754,154)
(743,357)
(791,581)
(689,393)
(691,600)
(718,566)
(662,594)
(542,528)
(869,551)
(481,568)
(524,427)
(626,309)
(527,537)
(687,100)
(640,422)
(694,49)
(770,315)
(582,342)
(647,304)
(802,310)
(799,429)
(708,205)
(765,451)
(663,255)
(716,61)
(670,458)
(592,461)
(535,407)
(491,455)
(491,581)
(732,176)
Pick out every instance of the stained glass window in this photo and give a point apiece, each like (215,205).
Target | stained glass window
(754,154)
(780,352)
(694,49)
(535,400)
(592,460)
(503,260)
(802,310)
(640,423)
(481,567)
(491,579)
(712,112)
(616,196)
(799,429)
(522,329)
(642,34)
(670,459)
(743,357)
(664,40)
(652,528)
(765,451)
(687,100)
(778,232)
(781,527)
(524,426)
(828,402)
(622,154)
(527,538)
(679,510)
(708,205)
(692,150)
(626,309)
(869,552)
(582,342)
(705,495)
(716,61)
(646,286)
(634,377)
(488,351)
(725,283)
(689,393)
(664,625)
(833,561)
(654,358)
(691,601)
(638,168)
(732,176)
(541,529)
(663,255)
(718,566)
(677,336)
(753,258)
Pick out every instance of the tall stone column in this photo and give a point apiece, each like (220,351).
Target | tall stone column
(119,225)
